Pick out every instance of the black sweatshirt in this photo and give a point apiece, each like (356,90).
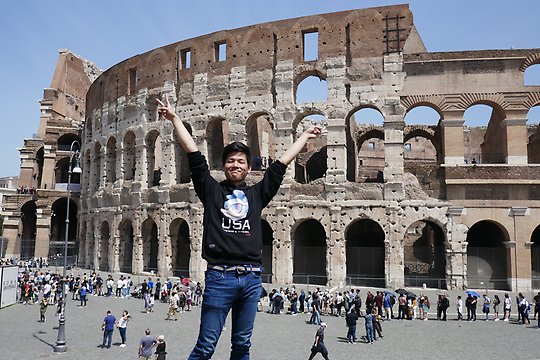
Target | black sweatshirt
(232,231)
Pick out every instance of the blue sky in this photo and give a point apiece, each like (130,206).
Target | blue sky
(106,32)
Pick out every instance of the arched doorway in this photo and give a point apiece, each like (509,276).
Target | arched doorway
(150,245)
(104,245)
(487,256)
(28,234)
(267,241)
(309,253)
(181,247)
(535,258)
(424,255)
(126,246)
(365,253)
(58,228)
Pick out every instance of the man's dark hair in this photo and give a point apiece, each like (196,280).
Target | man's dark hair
(236,147)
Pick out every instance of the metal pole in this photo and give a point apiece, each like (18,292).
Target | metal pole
(61,339)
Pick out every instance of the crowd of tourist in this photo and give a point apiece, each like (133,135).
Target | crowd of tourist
(45,288)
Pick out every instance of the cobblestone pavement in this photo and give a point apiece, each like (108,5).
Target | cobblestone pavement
(275,337)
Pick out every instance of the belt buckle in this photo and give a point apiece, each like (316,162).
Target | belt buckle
(241,270)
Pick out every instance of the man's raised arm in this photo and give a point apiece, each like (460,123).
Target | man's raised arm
(299,144)
(185,138)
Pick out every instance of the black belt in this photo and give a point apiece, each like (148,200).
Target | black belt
(240,269)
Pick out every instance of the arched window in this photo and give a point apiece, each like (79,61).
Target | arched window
(311,163)
(311,89)
(422,115)
(154,158)
(365,145)
(129,156)
(217,136)
(110,165)
(532,75)
(483,136)
(533,134)
(260,139)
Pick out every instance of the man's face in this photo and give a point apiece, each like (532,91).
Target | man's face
(236,167)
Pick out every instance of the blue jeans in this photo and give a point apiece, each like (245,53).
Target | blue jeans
(351,334)
(369,333)
(122,334)
(226,290)
(107,337)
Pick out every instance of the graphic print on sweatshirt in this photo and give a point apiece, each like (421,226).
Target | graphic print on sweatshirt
(235,210)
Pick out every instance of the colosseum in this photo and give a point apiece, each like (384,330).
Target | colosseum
(382,202)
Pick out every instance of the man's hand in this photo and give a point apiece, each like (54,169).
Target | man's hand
(166,109)
(316,131)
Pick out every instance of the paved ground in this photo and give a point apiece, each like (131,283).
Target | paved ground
(276,336)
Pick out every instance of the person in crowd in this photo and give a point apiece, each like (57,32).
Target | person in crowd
(122,326)
(377,327)
(43,309)
(459,308)
(426,307)
(173,306)
(351,320)
(108,327)
(496,303)
(318,344)
(507,307)
(487,305)
(387,303)
(82,294)
(524,308)
(146,345)
(368,322)
(402,307)
(160,348)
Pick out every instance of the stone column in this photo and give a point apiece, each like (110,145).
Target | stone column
(521,270)
(393,153)
(141,172)
(453,145)
(115,239)
(456,253)
(515,126)
(119,163)
(43,233)
(164,240)
(336,253)
(49,163)
(168,169)
(336,151)
(393,249)
(197,265)
(282,249)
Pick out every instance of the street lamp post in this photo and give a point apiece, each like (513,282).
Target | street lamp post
(61,339)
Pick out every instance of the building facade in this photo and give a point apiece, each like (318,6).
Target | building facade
(389,204)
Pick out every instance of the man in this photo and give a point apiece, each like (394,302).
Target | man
(351,319)
(146,344)
(108,328)
(318,345)
(232,236)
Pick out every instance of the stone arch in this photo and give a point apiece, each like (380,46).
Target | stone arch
(535,258)
(29,228)
(129,156)
(533,145)
(309,252)
(104,246)
(413,102)
(488,258)
(110,160)
(61,171)
(260,139)
(182,171)
(317,92)
(530,60)
(267,247)
(64,142)
(311,162)
(421,144)
(180,247)
(150,245)
(492,148)
(154,157)
(370,145)
(38,166)
(424,250)
(365,253)
(126,248)
(355,135)
(59,211)
(217,136)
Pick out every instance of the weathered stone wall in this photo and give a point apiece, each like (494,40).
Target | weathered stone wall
(263,67)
